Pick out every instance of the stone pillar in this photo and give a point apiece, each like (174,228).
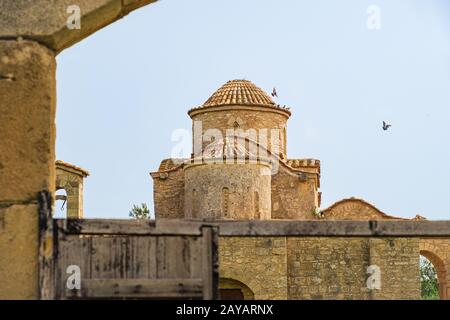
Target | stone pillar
(446,296)
(27,159)
(72,183)
(75,201)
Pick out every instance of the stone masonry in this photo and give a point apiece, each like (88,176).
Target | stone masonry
(209,186)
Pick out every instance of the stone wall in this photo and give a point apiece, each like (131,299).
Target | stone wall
(168,194)
(292,197)
(257,118)
(227,191)
(322,267)
(327,268)
(259,263)
(398,259)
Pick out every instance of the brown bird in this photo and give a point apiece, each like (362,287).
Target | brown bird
(274,93)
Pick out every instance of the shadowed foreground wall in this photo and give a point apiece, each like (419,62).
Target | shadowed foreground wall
(27,121)
(27,159)
(321,267)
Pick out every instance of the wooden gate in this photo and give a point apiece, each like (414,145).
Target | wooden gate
(128,259)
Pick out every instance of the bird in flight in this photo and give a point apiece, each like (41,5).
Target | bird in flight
(386,126)
(274,93)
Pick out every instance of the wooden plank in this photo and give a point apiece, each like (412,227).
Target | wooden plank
(215,262)
(137,257)
(196,251)
(47,247)
(136,263)
(72,251)
(177,252)
(210,263)
(104,256)
(161,264)
(147,257)
(128,227)
(141,288)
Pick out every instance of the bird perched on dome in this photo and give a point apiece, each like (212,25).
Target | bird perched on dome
(274,93)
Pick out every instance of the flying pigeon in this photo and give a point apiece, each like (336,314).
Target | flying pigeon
(274,93)
(386,126)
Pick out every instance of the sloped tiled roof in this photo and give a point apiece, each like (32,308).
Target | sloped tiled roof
(78,170)
(239,92)
(365,213)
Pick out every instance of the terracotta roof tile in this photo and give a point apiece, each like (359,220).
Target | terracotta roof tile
(239,92)
(81,171)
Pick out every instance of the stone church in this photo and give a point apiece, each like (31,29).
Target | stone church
(242,170)
(239,169)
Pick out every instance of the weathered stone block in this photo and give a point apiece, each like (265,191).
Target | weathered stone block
(27,118)
(19,252)
(46,21)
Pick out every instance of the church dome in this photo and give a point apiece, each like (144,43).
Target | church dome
(239,92)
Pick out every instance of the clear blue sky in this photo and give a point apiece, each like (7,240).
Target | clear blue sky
(124,90)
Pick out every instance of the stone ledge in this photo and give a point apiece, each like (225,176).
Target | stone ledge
(46,21)
(268,228)
(335,228)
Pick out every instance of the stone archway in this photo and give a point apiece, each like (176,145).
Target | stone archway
(436,251)
(32,33)
(231,289)
(71,178)
(440,271)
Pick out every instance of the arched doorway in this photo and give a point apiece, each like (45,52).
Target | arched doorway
(60,210)
(430,260)
(230,289)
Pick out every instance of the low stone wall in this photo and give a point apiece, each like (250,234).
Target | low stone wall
(322,267)
(331,259)
(328,268)
(260,263)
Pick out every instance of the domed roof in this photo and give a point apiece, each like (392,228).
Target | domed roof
(239,92)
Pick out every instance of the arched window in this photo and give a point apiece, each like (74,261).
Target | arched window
(225,202)
(60,204)
(433,276)
(231,289)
